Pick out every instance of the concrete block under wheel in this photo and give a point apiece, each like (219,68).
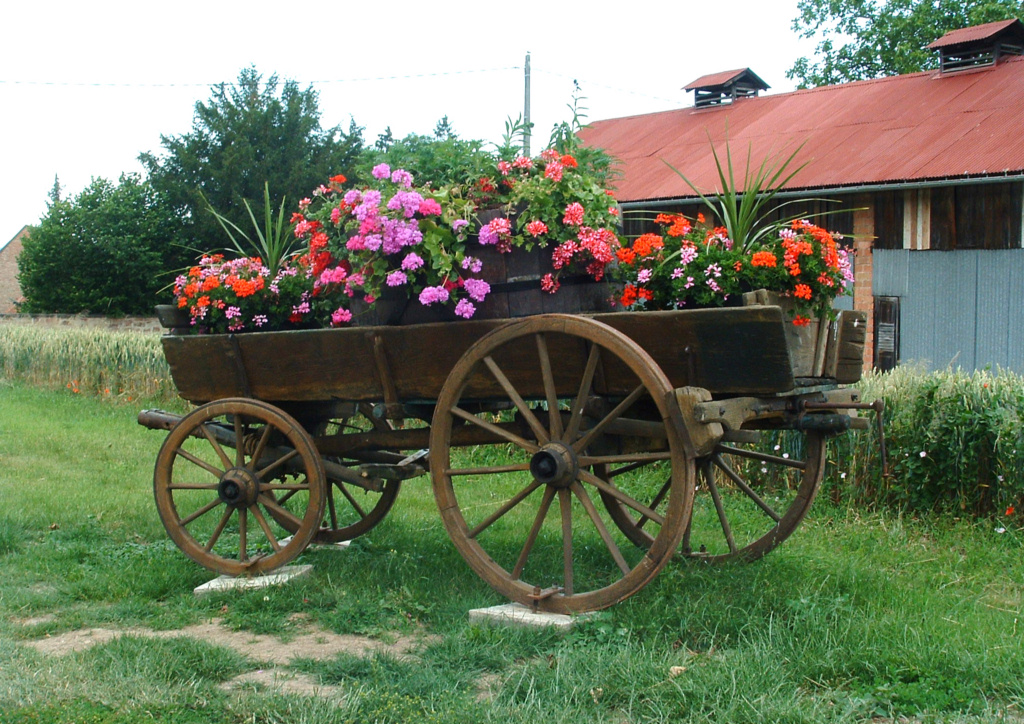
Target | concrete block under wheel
(516,614)
(243,583)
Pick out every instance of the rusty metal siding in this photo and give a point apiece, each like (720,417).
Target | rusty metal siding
(960,308)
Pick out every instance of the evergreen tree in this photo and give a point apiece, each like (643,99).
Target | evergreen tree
(248,134)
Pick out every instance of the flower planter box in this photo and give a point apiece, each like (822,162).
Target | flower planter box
(822,348)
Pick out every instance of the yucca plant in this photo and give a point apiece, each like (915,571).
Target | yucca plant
(745,214)
(274,241)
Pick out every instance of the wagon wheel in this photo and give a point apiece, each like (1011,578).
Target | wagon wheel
(350,510)
(520,507)
(217,498)
(750,498)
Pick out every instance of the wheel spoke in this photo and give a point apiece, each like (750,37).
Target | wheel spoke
(550,392)
(602,530)
(332,512)
(500,432)
(586,383)
(639,458)
(224,459)
(616,493)
(199,462)
(565,504)
(219,529)
(277,463)
(192,486)
(517,400)
(261,519)
(243,525)
(352,501)
(489,470)
(763,457)
(531,538)
(239,443)
(716,496)
(202,511)
(742,485)
(505,507)
(261,445)
(620,408)
(292,486)
(278,511)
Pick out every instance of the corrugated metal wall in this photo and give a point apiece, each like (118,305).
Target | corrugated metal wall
(964,308)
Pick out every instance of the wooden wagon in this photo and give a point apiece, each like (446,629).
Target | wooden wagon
(566,452)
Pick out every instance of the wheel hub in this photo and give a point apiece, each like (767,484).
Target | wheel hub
(555,464)
(238,487)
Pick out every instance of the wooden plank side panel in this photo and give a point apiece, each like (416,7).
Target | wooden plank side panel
(737,350)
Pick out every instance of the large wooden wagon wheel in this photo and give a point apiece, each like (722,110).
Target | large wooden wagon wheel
(520,507)
(750,497)
(216,496)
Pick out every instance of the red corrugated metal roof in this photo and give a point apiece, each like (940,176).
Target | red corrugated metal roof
(915,127)
(974,33)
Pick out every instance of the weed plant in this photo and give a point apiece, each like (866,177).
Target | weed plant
(955,444)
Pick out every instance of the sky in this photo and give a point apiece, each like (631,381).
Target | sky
(86,87)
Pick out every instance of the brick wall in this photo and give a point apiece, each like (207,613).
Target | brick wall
(863,297)
(10,291)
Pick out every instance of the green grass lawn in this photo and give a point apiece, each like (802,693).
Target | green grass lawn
(860,616)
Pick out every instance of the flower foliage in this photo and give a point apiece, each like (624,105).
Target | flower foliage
(690,264)
(390,235)
(236,295)
(555,202)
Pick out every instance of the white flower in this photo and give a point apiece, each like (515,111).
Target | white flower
(1000,530)
(923,454)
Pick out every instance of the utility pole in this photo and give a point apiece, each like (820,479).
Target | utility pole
(526,109)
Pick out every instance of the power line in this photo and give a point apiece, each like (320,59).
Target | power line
(327,81)
(80,84)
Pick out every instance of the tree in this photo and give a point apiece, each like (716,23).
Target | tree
(444,130)
(248,134)
(861,39)
(384,140)
(107,251)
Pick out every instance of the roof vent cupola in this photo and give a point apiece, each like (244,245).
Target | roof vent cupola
(723,88)
(979,46)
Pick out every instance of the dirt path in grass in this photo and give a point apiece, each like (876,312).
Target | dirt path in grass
(274,654)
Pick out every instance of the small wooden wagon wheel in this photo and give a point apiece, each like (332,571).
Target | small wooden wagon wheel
(217,497)
(749,499)
(350,510)
(520,505)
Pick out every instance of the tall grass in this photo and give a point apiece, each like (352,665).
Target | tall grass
(122,365)
(955,443)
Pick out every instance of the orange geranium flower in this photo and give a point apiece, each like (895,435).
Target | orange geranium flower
(763,258)
(802,291)
(626,256)
(801,321)
(648,244)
